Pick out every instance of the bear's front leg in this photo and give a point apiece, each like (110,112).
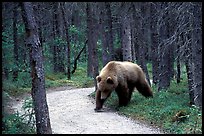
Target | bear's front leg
(123,95)
(99,101)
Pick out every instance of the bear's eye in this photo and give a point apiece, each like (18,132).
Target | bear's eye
(98,78)
(109,80)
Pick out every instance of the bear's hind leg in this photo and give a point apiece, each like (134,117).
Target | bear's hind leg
(144,88)
(131,89)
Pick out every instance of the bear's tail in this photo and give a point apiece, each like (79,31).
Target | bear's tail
(144,89)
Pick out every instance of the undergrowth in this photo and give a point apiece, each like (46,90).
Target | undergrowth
(16,123)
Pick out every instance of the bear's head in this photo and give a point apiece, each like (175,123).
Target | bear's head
(106,84)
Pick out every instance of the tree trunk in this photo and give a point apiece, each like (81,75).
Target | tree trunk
(109,30)
(164,52)
(140,42)
(58,55)
(104,39)
(178,73)
(38,80)
(154,45)
(55,52)
(68,41)
(126,34)
(77,57)
(197,53)
(90,40)
(15,71)
(190,82)
(106,32)
(59,47)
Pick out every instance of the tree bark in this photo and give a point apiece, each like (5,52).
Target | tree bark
(68,42)
(143,50)
(126,33)
(178,74)
(109,30)
(104,39)
(164,52)
(15,71)
(197,53)
(55,25)
(90,40)
(106,32)
(38,80)
(77,57)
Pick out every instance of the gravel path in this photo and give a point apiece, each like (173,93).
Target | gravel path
(72,112)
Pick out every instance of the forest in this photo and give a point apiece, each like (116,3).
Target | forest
(44,42)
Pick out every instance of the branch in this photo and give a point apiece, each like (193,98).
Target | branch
(75,60)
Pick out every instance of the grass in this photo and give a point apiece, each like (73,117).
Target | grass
(162,109)
(78,79)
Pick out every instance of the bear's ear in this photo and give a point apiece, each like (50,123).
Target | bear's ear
(109,80)
(98,78)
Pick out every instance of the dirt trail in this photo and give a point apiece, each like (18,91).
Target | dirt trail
(72,112)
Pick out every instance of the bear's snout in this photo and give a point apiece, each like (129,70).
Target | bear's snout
(104,95)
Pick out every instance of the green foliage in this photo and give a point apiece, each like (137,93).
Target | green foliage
(80,78)
(16,88)
(59,41)
(20,124)
(14,124)
(73,30)
(7,45)
(116,42)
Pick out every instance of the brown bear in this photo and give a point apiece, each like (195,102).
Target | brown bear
(122,77)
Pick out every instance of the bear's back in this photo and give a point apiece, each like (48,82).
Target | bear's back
(125,68)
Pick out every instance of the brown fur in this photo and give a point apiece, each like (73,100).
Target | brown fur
(122,77)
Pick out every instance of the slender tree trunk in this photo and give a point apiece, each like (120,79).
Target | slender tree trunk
(94,47)
(178,76)
(55,52)
(68,41)
(147,7)
(38,80)
(59,31)
(155,43)
(77,57)
(15,71)
(90,40)
(190,82)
